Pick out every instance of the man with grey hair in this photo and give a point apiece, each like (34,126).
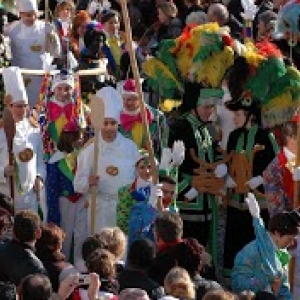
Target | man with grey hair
(218,12)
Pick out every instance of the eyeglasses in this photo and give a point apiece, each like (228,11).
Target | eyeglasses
(20,105)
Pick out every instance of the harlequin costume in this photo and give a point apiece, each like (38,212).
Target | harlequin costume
(27,150)
(131,124)
(65,206)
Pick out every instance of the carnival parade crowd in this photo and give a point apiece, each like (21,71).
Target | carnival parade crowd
(149,149)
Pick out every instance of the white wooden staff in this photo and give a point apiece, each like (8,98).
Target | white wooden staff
(136,76)
(97,119)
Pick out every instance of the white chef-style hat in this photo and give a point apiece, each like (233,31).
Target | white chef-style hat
(113,103)
(63,77)
(14,84)
(27,5)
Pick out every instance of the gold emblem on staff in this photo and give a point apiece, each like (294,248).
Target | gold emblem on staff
(35,48)
(25,155)
(112,170)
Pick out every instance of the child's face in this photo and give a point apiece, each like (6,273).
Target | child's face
(283,241)
(65,13)
(28,18)
(131,103)
(143,169)
(261,28)
(239,118)
(63,93)
(112,25)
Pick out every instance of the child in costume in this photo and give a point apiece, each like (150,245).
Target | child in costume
(65,206)
(170,159)
(63,15)
(262,265)
(112,49)
(61,108)
(131,120)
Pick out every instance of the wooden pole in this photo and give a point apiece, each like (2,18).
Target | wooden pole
(136,75)
(9,127)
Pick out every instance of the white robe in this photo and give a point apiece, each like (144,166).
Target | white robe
(27,46)
(26,137)
(121,153)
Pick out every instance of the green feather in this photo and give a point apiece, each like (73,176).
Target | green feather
(165,56)
(265,77)
(209,44)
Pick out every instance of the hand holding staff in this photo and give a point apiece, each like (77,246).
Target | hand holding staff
(136,75)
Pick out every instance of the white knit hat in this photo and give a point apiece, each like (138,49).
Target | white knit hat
(62,78)
(27,5)
(14,84)
(113,102)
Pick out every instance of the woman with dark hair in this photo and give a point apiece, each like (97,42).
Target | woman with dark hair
(48,250)
(252,148)
(6,224)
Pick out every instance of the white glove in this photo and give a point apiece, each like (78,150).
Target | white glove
(221,170)
(253,205)
(155,192)
(47,60)
(255,182)
(178,153)
(166,158)
(296,174)
(93,7)
(250,9)
(191,194)
(72,61)
(229,182)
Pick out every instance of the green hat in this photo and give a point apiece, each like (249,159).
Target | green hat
(210,97)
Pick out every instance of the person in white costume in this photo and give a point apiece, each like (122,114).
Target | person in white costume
(30,38)
(29,171)
(117,157)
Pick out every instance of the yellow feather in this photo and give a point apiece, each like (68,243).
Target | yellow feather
(138,134)
(212,70)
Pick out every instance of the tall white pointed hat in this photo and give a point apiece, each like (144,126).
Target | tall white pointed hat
(113,102)
(27,5)
(14,84)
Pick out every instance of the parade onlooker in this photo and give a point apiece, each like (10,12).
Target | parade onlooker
(179,284)
(102,262)
(17,258)
(219,295)
(266,25)
(133,294)
(140,257)
(6,224)
(114,240)
(48,250)
(218,13)
(262,264)
(170,26)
